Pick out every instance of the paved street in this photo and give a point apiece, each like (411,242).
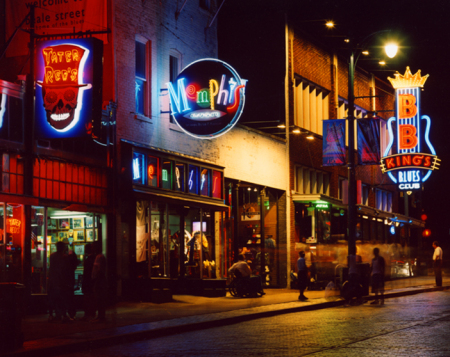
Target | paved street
(415,325)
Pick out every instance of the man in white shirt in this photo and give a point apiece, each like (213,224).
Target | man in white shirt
(437,263)
(241,266)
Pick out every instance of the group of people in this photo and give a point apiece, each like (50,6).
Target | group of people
(304,268)
(61,283)
(377,270)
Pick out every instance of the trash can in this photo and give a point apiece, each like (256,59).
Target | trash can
(12,296)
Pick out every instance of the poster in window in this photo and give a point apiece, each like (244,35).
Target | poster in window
(89,235)
(79,235)
(77,223)
(64,223)
(51,224)
(78,249)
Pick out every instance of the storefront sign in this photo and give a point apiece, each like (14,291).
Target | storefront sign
(177,176)
(69,73)
(410,157)
(207,98)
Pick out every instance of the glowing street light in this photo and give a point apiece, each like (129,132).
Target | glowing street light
(391,49)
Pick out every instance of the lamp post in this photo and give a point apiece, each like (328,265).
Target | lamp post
(391,50)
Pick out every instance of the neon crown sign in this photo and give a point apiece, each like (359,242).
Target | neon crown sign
(410,157)
(208,98)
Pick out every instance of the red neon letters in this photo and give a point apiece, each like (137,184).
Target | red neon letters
(407,106)
(408,138)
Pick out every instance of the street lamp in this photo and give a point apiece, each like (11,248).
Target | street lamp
(391,50)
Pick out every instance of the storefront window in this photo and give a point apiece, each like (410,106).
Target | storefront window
(153,171)
(205,182)
(2,244)
(180,170)
(193,179)
(15,230)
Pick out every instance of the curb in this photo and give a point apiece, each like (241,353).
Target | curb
(114,336)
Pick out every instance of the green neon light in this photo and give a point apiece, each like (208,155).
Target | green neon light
(165,176)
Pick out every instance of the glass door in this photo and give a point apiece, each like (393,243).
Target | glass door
(38,250)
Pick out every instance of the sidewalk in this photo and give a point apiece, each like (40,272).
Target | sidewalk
(128,322)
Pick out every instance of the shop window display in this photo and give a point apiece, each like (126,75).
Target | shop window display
(159,245)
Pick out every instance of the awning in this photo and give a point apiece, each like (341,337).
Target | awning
(179,200)
(317,197)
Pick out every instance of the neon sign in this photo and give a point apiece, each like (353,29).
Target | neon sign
(69,73)
(13,225)
(207,98)
(413,157)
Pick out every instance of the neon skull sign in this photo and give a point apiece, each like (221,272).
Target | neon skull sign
(61,89)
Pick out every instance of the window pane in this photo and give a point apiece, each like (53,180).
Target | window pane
(166,174)
(140,60)
(179,177)
(173,68)
(217,184)
(139,94)
(205,182)
(152,171)
(193,179)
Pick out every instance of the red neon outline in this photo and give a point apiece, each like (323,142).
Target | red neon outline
(236,101)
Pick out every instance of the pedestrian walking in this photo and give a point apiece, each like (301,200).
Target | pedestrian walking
(56,285)
(437,262)
(99,282)
(377,270)
(87,285)
(302,275)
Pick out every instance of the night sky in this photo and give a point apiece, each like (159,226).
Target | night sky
(420,28)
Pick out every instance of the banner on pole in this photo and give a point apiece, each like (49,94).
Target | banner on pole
(334,151)
(369,141)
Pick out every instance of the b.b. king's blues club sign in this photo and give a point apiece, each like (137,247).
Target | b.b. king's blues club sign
(207,98)
(410,157)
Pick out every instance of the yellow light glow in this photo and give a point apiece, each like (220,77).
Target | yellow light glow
(382,63)
(347,40)
(296,131)
(365,53)
(408,80)
(391,49)
(310,137)
(281,126)
(329,24)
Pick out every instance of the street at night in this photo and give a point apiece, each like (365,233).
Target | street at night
(415,325)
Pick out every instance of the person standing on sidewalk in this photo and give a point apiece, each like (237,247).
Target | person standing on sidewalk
(99,282)
(377,269)
(302,275)
(437,263)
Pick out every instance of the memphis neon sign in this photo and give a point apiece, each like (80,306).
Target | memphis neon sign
(207,98)
(411,160)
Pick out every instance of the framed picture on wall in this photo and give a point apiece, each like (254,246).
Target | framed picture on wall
(79,235)
(77,223)
(63,236)
(89,222)
(89,235)
(52,238)
(64,223)
(78,249)
(51,224)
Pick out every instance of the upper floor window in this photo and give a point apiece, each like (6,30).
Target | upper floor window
(383,200)
(142,76)
(365,194)
(310,181)
(311,106)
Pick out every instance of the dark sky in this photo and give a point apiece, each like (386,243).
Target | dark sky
(421,29)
